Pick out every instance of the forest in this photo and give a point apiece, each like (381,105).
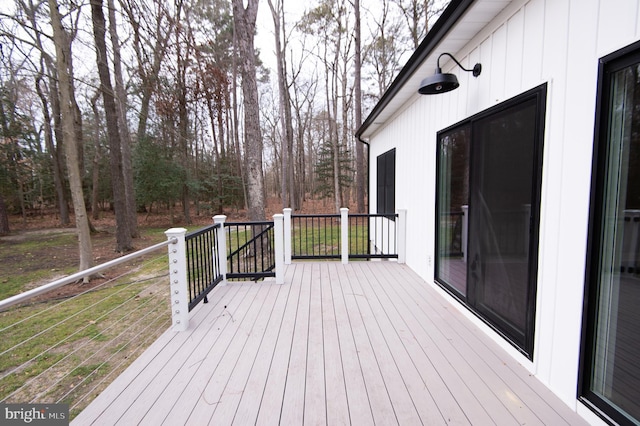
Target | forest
(190,106)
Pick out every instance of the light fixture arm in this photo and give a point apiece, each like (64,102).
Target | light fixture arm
(476,70)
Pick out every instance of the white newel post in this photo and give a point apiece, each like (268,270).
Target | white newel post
(344,234)
(278,232)
(221,240)
(178,275)
(287,236)
(402,236)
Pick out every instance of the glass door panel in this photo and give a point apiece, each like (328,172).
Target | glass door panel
(614,367)
(452,209)
(500,217)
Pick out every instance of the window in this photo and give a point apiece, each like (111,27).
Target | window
(610,371)
(386,183)
(488,180)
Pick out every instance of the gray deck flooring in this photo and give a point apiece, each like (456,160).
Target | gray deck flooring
(364,343)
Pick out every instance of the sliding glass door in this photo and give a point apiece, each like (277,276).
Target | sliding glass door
(611,354)
(494,195)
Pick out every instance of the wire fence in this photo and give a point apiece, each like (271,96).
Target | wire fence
(68,350)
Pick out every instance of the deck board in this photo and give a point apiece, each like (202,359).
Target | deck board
(247,409)
(364,343)
(315,396)
(357,398)
(337,407)
(379,399)
(269,409)
(292,411)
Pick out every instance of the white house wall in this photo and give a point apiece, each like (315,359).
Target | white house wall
(557,42)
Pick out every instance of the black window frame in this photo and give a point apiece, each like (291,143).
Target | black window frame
(538,93)
(607,66)
(386,183)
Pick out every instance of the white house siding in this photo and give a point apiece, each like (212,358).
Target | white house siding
(557,42)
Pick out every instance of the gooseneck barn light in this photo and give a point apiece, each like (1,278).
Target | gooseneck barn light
(441,83)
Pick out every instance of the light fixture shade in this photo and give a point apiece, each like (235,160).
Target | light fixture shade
(438,83)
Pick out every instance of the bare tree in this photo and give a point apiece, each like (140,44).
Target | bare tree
(4,218)
(360,167)
(95,178)
(245,24)
(125,139)
(63,65)
(53,150)
(123,232)
(46,87)
(287,178)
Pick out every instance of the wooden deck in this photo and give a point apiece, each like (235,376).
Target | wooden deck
(364,343)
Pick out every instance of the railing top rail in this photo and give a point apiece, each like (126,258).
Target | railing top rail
(262,222)
(22,297)
(373,215)
(316,215)
(350,215)
(201,231)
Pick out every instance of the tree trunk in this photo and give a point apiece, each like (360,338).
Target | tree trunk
(121,107)
(123,234)
(288,185)
(344,139)
(4,218)
(245,25)
(58,152)
(4,215)
(95,180)
(337,191)
(360,167)
(63,58)
(236,136)
(217,203)
(182,64)
(61,198)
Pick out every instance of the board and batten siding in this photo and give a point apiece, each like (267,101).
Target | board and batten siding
(557,42)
